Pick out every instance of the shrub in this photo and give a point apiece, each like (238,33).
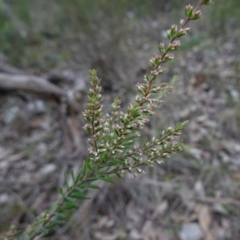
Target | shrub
(112,147)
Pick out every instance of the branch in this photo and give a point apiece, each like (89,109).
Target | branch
(5,68)
(30,84)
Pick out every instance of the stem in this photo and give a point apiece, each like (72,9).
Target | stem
(60,203)
(49,216)
(171,41)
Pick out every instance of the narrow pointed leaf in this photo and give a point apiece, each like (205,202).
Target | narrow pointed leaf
(90,186)
(92,179)
(72,175)
(55,223)
(79,195)
(60,215)
(107,179)
(60,190)
(68,206)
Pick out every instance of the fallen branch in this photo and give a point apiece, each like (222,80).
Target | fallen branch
(223,201)
(30,84)
(40,86)
(69,101)
(5,68)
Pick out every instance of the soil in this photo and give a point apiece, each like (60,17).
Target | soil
(193,195)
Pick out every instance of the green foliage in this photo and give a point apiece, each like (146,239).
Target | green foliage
(224,16)
(113,148)
(23,25)
(15,20)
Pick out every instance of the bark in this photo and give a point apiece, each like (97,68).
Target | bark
(30,84)
(5,68)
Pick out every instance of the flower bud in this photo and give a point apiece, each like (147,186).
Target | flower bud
(196,15)
(189,11)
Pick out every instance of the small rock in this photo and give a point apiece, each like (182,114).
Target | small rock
(191,231)
(218,208)
(161,210)
(4,198)
(48,169)
(38,107)
(147,226)
(199,189)
(135,235)
(110,223)
(11,114)
(41,149)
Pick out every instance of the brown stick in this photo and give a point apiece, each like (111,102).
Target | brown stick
(67,99)
(5,68)
(29,84)
(224,201)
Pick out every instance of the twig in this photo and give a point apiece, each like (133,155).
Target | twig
(224,201)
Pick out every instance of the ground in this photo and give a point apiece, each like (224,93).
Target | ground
(194,195)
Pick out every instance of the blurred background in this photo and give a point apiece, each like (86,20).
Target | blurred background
(50,45)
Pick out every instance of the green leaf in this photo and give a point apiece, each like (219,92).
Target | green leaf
(87,165)
(66,179)
(69,199)
(118,175)
(79,195)
(68,206)
(146,77)
(174,80)
(188,11)
(55,223)
(90,186)
(40,220)
(128,145)
(113,163)
(82,172)
(107,179)
(43,230)
(72,175)
(91,179)
(79,189)
(117,132)
(60,215)
(60,190)
(103,156)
